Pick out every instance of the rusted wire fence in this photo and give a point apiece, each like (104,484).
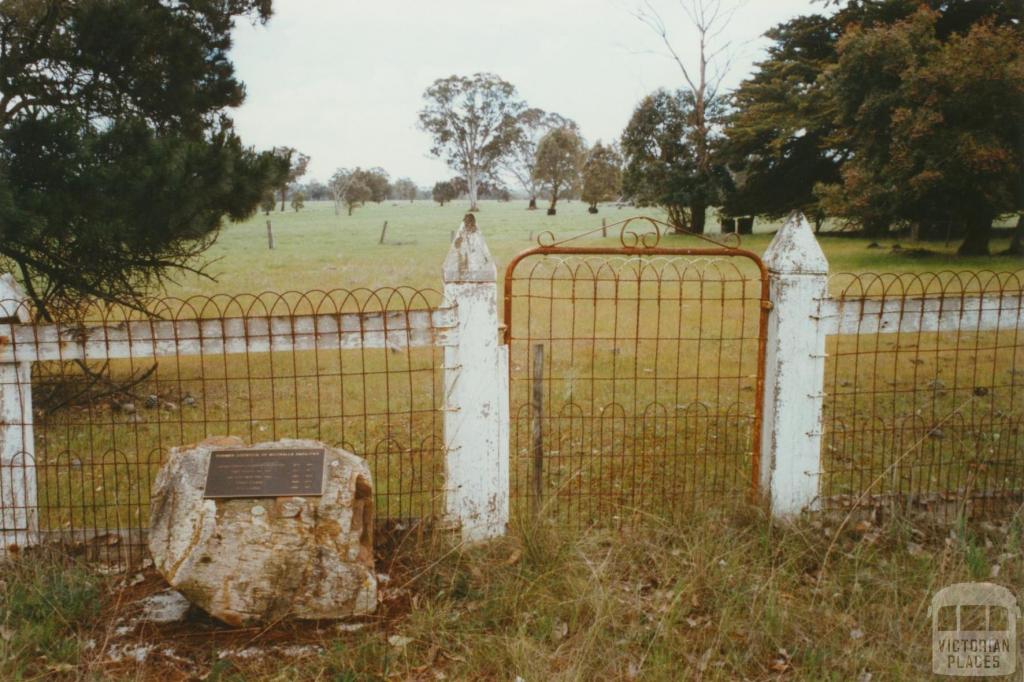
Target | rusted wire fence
(925,394)
(637,388)
(115,392)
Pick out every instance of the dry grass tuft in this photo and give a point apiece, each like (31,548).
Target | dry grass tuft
(725,595)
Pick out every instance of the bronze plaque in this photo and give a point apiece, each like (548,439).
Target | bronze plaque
(271,472)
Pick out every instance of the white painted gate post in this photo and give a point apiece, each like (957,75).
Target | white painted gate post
(476,420)
(794,381)
(18,506)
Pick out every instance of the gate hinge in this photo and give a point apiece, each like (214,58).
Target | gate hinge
(766,305)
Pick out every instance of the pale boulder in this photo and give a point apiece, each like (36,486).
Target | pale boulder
(252,560)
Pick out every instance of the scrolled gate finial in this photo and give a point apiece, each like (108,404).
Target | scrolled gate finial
(649,238)
(546,238)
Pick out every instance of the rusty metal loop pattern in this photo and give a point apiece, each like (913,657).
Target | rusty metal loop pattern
(639,233)
(652,362)
(103,428)
(922,420)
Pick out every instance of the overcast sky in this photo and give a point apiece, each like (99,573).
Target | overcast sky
(342,80)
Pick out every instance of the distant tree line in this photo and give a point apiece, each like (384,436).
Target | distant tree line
(347,187)
(449,190)
(887,114)
(487,134)
(119,161)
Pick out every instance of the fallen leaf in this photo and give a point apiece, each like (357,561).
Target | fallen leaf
(780,663)
(399,641)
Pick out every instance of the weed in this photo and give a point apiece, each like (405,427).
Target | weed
(45,605)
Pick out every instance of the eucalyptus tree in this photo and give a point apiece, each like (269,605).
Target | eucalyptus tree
(297,164)
(559,161)
(444,191)
(404,188)
(602,175)
(521,160)
(703,71)
(474,123)
(663,166)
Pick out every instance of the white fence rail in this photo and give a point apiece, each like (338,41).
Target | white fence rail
(926,314)
(253,334)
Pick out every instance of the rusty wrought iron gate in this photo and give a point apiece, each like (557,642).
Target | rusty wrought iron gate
(636,371)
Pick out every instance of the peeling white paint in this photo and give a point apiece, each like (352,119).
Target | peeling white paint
(476,392)
(794,369)
(395,330)
(927,314)
(18,518)
(802,316)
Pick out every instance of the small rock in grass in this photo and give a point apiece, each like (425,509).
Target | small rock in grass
(168,606)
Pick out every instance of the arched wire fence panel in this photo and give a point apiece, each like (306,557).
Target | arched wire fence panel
(103,427)
(920,419)
(652,358)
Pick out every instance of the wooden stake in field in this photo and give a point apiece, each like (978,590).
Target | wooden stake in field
(270,236)
(538,426)
(383,231)
(604,227)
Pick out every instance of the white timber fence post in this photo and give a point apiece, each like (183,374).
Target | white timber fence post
(18,501)
(794,379)
(476,419)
